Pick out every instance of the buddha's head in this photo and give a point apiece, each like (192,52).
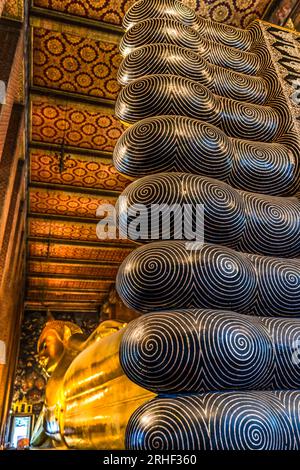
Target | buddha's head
(54,341)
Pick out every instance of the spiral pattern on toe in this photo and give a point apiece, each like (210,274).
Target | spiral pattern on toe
(196,350)
(201,350)
(144,9)
(169,59)
(158,30)
(180,69)
(165,275)
(272,226)
(278,287)
(241,220)
(268,168)
(173,9)
(170,94)
(216,421)
(178,143)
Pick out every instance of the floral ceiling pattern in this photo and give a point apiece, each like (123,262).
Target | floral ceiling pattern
(76,64)
(58,250)
(78,170)
(111,11)
(62,229)
(13,9)
(44,267)
(236,12)
(45,201)
(80,125)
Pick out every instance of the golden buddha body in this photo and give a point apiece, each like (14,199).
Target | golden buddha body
(89,400)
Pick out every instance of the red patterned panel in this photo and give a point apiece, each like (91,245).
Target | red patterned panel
(62,229)
(67,230)
(78,170)
(45,201)
(75,124)
(236,12)
(111,11)
(101,254)
(73,63)
(1,5)
(38,267)
(12,9)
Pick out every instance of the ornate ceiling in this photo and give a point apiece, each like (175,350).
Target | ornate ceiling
(73,86)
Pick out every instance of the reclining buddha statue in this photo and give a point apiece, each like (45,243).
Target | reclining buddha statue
(89,399)
(213,361)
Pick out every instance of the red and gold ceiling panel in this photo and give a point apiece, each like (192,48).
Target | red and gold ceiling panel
(13,9)
(52,283)
(74,63)
(46,201)
(66,296)
(42,267)
(69,230)
(1,5)
(62,230)
(78,170)
(82,125)
(236,12)
(57,250)
(111,11)
(239,13)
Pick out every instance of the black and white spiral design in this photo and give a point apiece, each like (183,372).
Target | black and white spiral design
(157,31)
(178,143)
(167,276)
(193,351)
(180,69)
(174,9)
(271,225)
(169,59)
(170,94)
(278,286)
(199,350)
(245,221)
(255,420)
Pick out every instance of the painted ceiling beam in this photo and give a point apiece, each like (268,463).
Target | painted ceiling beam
(67,290)
(60,241)
(71,96)
(74,189)
(67,309)
(63,277)
(69,277)
(61,218)
(34,145)
(36,259)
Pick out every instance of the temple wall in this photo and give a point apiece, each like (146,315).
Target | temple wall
(12,197)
